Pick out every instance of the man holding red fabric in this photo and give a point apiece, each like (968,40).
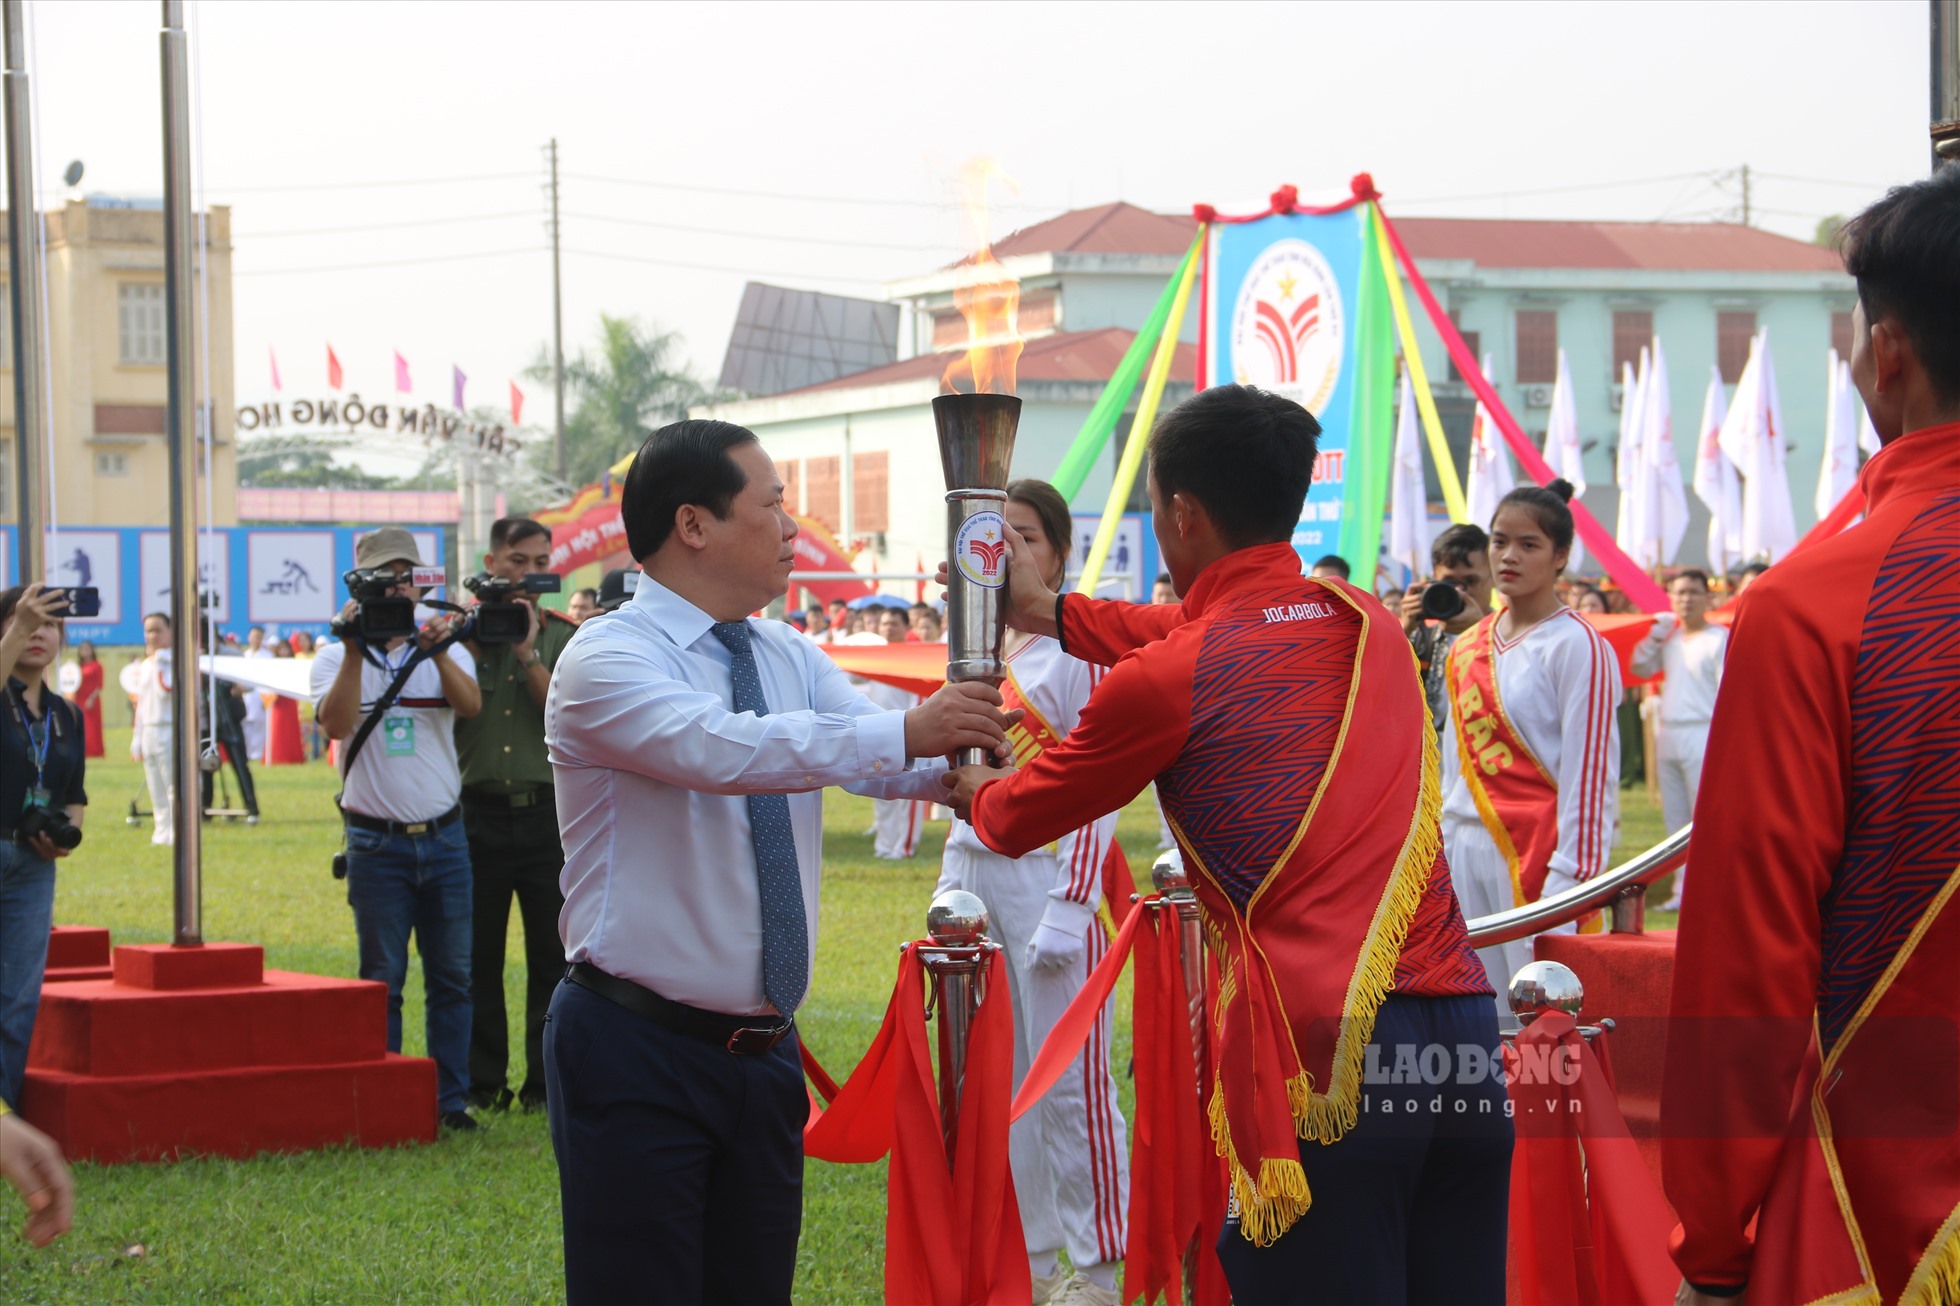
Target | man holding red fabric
(1283,723)
(1810,1111)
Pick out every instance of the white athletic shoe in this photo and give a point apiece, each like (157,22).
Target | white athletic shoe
(1049,1287)
(1083,1291)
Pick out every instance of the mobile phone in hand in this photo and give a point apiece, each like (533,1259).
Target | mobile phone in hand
(83,600)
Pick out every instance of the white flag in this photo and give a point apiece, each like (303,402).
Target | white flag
(1840,470)
(1665,497)
(1562,448)
(1716,483)
(1490,477)
(1867,433)
(1752,436)
(1408,501)
(1629,522)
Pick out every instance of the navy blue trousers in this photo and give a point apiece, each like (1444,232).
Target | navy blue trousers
(1409,1208)
(680,1164)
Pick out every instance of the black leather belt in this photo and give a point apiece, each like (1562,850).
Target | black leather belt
(739,1034)
(509,802)
(380,826)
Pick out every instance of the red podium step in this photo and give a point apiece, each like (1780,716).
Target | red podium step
(204,1050)
(77,952)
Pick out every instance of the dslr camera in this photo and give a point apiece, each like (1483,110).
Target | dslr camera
(382,615)
(498,617)
(51,821)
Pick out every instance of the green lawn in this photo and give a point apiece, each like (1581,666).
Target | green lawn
(463,1220)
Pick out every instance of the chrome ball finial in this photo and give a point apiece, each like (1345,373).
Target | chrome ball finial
(956,919)
(1167,873)
(1545,986)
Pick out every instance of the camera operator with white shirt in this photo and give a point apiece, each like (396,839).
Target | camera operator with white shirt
(408,862)
(1689,650)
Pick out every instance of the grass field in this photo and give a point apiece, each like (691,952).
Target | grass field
(466,1219)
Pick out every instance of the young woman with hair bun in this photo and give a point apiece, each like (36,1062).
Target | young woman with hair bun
(1532,769)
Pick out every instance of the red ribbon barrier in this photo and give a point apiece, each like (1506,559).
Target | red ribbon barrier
(952,1233)
(1589,1227)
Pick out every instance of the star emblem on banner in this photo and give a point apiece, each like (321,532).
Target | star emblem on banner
(1286,284)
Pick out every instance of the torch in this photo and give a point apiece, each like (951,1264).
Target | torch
(976,445)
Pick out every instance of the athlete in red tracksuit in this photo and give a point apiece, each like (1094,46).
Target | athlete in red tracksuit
(1283,723)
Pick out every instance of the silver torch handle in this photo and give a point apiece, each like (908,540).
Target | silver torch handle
(976,610)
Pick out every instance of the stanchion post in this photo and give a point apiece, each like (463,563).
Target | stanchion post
(1173,886)
(957,960)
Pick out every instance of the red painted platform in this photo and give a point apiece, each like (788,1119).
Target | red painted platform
(175,1050)
(77,952)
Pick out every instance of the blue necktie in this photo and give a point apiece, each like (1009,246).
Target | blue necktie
(785,930)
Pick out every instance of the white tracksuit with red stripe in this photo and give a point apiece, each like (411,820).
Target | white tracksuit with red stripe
(1070,1154)
(1561,685)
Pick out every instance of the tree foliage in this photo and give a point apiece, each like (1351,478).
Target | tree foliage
(632,382)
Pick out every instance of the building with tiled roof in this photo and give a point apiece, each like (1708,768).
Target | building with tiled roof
(859,449)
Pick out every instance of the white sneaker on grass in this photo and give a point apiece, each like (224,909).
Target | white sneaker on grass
(1084,1291)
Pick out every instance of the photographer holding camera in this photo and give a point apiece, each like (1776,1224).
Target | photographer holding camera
(392,693)
(509,810)
(1436,611)
(41,807)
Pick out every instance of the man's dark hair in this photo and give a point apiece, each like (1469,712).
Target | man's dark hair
(1753,569)
(1245,454)
(685,462)
(1163,578)
(921,606)
(1904,252)
(506,531)
(1458,544)
(1690,573)
(591,594)
(164,617)
(1335,563)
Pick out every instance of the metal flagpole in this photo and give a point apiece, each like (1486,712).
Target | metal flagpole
(179,229)
(30,340)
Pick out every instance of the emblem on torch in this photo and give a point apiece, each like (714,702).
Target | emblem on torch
(980,545)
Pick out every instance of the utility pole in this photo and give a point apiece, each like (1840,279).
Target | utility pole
(1745,196)
(30,341)
(557,327)
(186,612)
(1945,24)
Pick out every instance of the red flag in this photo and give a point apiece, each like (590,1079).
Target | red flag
(274,359)
(334,376)
(920,560)
(516,405)
(402,383)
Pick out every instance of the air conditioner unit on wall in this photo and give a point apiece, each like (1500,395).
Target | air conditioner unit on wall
(1537,396)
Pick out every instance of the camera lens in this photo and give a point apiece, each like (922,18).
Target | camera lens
(1441,601)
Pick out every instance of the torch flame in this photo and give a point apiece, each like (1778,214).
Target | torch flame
(986,295)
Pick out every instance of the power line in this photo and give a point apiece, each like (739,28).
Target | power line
(1826,181)
(379,185)
(788,197)
(384,226)
(391,263)
(1554,190)
(764,235)
(709,267)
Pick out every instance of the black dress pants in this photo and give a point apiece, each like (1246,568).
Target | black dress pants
(680,1164)
(1411,1207)
(513,852)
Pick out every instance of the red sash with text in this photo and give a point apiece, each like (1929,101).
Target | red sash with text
(1515,796)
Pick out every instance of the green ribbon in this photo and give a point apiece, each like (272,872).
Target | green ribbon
(1371,419)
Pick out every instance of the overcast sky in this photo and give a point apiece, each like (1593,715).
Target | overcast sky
(385,162)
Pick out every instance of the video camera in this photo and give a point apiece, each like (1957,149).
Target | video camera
(382,615)
(498,618)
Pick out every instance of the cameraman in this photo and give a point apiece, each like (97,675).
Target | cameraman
(408,865)
(41,807)
(512,820)
(1460,558)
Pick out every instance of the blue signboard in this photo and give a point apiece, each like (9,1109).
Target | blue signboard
(1281,298)
(283,578)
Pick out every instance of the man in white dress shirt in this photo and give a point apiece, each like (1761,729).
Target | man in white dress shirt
(691,747)
(1689,650)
